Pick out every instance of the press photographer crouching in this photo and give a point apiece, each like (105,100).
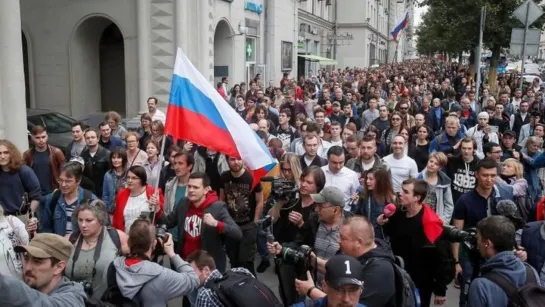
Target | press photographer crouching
(148,283)
(319,233)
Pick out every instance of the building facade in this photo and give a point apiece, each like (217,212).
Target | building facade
(368,23)
(315,29)
(86,57)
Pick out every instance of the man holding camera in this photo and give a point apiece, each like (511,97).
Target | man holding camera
(45,259)
(321,231)
(495,238)
(149,283)
(357,239)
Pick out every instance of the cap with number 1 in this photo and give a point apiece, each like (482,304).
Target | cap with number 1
(343,270)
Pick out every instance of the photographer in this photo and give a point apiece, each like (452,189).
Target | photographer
(147,282)
(320,231)
(495,237)
(357,239)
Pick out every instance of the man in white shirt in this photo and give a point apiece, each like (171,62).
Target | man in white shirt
(401,166)
(335,130)
(339,176)
(155,113)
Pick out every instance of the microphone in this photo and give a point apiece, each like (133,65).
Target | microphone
(389,210)
(269,178)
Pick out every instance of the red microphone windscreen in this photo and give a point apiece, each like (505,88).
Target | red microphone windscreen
(389,210)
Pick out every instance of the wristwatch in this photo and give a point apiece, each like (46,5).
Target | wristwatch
(310,290)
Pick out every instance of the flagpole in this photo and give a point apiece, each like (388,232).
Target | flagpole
(161,156)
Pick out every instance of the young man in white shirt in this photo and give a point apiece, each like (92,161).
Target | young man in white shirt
(154,112)
(401,166)
(339,176)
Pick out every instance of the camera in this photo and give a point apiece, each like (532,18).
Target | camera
(87,287)
(265,222)
(161,232)
(300,258)
(281,188)
(453,234)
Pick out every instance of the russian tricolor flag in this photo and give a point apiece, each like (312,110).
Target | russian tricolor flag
(197,113)
(401,24)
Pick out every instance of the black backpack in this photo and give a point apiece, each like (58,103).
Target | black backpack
(528,295)
(406,294)
(113,297)
(237,289)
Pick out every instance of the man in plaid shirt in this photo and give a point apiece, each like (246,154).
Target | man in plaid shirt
(204,266)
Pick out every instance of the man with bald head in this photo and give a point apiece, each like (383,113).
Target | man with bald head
(357,239)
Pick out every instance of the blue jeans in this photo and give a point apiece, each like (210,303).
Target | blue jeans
(467,271)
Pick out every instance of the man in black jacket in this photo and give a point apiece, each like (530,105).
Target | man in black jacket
(97,160)
(357,239)
(203,221)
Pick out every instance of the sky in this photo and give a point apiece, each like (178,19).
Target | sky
(418,12)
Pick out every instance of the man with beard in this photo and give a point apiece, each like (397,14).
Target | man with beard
(245,204)
(45,259)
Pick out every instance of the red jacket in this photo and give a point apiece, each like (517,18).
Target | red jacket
(118,220)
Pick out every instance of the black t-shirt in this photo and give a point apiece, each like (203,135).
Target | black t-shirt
(286,230)
(239,196)
(42,168)
(213,172)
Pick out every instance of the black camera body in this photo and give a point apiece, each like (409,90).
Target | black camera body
(161,232)
(455,235)
(300,258)
(87,287)
(283,189)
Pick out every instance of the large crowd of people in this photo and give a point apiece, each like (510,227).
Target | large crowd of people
(378,172)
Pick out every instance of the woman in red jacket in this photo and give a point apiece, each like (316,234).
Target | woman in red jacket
(137,198)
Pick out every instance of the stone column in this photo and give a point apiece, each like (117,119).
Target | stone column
(144,53)
(12,76)
(182,35)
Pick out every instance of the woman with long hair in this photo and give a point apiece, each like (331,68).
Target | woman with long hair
(154,164)
(378,191)
(114,121)
(439,196)
(158,135)
(512,172)
(136,199)
(290,168)
(419,149)
(532,149)
(235,92)
(115,179)
(94,238)
(12,234)
(396,125)
(144,131)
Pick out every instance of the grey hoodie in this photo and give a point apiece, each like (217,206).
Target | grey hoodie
(155,284)
(14,292)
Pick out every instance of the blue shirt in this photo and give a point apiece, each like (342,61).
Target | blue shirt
(13,185)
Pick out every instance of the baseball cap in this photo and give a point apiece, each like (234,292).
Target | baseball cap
(77,159)
(510,132)
(343,270)
(336,103)
(330,194)
(47,245)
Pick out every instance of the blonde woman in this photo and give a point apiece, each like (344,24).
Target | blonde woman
(290,167)
(512,172)
(439,196)
(12,233)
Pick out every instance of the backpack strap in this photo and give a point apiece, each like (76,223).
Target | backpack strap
(114,235)
(54,200)
(506,285)
(530,276)
(87,195)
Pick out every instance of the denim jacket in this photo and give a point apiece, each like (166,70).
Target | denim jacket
(55,222)
(108,190)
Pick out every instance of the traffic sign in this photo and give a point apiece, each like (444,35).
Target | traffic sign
(534,12)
